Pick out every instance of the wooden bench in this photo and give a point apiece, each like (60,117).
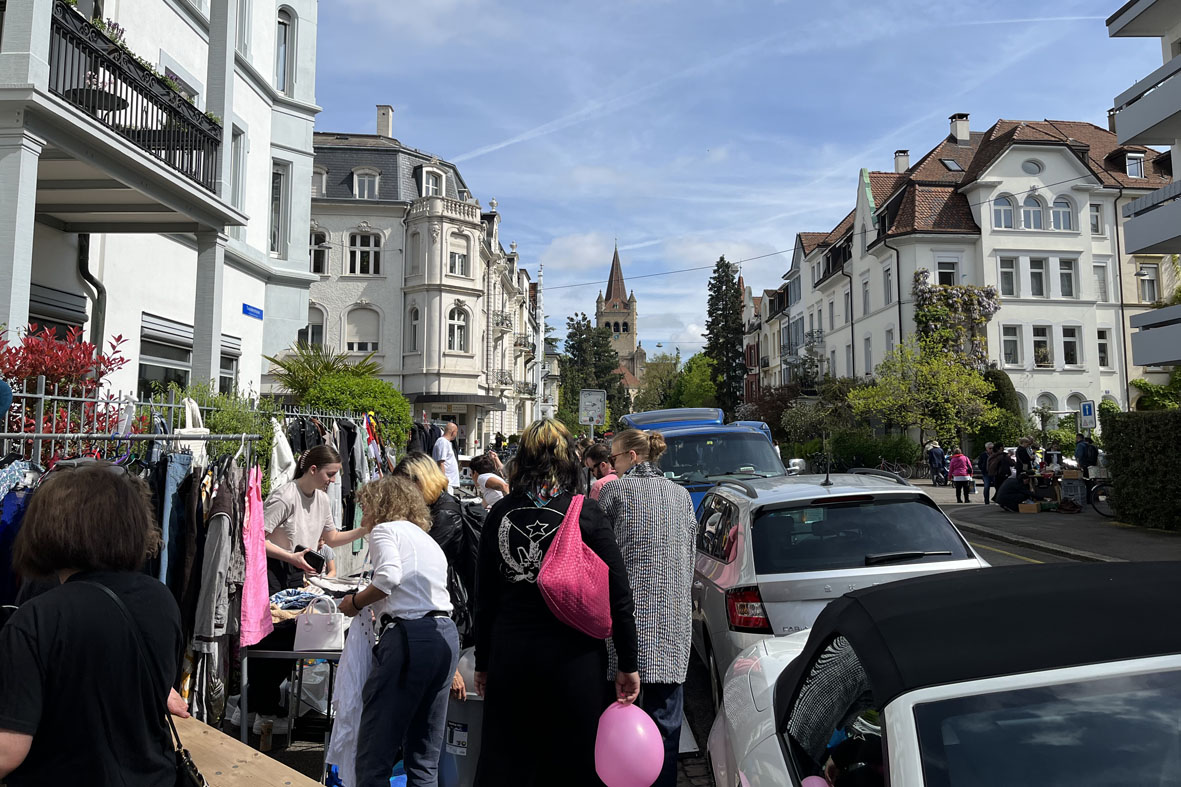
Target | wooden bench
(225,761)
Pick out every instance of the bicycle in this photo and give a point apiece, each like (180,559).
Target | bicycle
(921,470)
(898,468)
(1102,497)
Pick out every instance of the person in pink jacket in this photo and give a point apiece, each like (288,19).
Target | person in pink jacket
(961,475)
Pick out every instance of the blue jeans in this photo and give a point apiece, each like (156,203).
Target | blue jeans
(405,702)
(172,508)
(987,485)
(665,703)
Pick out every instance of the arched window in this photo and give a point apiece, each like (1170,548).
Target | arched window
(1031,213)
(625,327)
(616,328)
(1002,213)
(1062,214)
(1074,402)
(1047,400)
(432,184)
(366,183)
(313,332)
(413,325)
(457,330)
(361,330)
(364,254)
(284,51)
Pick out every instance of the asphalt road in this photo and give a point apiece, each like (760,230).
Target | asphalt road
(1000,553)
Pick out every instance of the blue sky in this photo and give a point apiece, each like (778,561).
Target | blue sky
(697,128)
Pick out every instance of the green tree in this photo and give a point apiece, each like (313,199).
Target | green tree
(770,405)
(1003,395)
(304,364)
(344,391)
(723,335)
(695,385)
(660,380)
(589,361)
(806,420)
(928,388)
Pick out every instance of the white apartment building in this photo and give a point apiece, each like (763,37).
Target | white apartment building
(1031,208)
(165,207)
(409,267)
(1149,113)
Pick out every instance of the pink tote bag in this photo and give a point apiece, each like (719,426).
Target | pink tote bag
(574,580)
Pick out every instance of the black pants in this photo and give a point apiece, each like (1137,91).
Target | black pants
(964,488)
(267,675)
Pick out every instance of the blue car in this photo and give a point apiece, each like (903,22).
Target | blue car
(703,449)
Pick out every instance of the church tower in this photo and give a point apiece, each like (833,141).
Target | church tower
(617,310)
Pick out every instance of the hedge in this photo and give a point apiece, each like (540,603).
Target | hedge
(857,447)
(1143,454)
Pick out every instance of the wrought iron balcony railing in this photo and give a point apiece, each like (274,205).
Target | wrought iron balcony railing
(106,81)
(527,389)
(503,378)
(502,320)
(525,342)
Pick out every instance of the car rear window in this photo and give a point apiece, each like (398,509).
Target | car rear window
(696,457)
(1121,730)
(823,537)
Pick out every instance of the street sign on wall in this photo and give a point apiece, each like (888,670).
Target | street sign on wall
(592,406)
(1087,419)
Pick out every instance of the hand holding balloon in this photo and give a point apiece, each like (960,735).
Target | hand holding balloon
(629,751)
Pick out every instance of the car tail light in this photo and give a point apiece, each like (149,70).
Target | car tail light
(745,611)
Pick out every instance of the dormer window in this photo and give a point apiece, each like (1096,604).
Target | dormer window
(1135,165)
(319,182)
(366,183)
(951,164)
(432,184)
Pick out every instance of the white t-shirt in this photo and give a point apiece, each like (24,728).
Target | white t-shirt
(293,519)
(411,568)
(490,495)
(443,452)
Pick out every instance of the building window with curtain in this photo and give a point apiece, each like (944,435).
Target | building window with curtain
(1031,213)
(457,330)
(1104,348)
(279,210)
(1149,278)
(161,365)
(361,330)
(1008,276)
(432,184)
(888,286)
(1062,214)
(364,254)
(242,44)
(1002,213)
(313,333)
(227,377)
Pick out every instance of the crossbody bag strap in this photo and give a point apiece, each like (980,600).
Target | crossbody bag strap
(139,642)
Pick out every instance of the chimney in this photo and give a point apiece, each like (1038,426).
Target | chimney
(1111,120)
(385,120)
(901,160)
(959,128)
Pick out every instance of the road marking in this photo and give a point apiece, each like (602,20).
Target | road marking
(1003,552)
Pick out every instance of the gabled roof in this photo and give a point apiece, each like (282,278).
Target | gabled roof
(810,240)
(933,209)
(839,231)
(883,184)
(629,380)
(931,169)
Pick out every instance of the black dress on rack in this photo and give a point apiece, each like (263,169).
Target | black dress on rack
(536,664)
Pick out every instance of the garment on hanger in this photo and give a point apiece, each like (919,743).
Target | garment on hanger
(356,662)
(256,600)
(12,511)
(282,458)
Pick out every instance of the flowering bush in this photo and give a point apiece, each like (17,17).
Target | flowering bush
(952,317)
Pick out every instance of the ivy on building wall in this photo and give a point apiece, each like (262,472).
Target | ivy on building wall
(953,317)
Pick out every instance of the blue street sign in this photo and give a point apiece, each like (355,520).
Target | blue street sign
(252,311)
(1087,419)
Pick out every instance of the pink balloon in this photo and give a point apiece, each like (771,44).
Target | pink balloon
(629,751)
(815,781)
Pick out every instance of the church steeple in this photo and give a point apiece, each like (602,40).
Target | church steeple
(616,291)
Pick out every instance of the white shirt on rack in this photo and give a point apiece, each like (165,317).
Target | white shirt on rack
(410,568)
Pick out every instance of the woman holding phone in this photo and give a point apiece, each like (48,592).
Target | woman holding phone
(297,518)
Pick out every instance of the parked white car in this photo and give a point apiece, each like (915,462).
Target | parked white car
(772,553)
(1056,675)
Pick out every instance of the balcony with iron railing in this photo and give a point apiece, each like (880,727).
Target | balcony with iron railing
(503,378)
(524,343)
(97,75)
(527,389)
(502,320)
(765,362)
(813,338)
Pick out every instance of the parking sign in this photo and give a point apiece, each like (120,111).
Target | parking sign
(592,406)
(1087,418)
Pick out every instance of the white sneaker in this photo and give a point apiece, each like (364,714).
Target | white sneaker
(280,725)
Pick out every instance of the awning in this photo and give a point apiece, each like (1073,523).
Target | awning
(480,400)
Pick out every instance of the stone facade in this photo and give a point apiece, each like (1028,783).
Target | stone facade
(617,310)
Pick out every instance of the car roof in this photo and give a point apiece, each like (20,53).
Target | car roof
(656,419)
(794,488)
(969,625)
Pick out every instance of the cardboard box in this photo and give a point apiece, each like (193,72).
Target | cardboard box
(1071,474)
(1028,508)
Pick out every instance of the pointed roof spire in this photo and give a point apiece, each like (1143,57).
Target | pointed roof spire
(615,287)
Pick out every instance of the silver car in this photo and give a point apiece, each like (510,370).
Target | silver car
(772,553)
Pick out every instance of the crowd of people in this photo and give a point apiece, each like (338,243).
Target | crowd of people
(91,529)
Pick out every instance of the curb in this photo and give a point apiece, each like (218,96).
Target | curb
(1033,543)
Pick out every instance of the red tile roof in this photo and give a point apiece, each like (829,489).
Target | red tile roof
(883,184)
(629,379)
(810,240)
(840,230)
(933,209)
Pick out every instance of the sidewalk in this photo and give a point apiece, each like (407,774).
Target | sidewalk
(1084,536)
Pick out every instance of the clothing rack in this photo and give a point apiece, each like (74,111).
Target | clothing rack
(104,437)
